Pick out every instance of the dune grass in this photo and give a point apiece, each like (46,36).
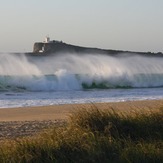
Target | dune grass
(93,135)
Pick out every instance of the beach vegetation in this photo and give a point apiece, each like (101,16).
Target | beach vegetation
(93,135)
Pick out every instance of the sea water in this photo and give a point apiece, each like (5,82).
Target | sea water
(78,78)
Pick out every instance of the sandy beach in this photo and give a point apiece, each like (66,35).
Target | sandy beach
(56,112)
(15,122)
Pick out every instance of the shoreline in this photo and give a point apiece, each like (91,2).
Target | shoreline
(62,112)
(29,121)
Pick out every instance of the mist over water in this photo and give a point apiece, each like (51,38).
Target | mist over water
(78,72)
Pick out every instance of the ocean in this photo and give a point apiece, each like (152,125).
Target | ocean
(78,78)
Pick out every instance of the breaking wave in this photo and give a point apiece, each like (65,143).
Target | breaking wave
(77,72)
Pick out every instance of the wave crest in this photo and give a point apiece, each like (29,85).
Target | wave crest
(77,72)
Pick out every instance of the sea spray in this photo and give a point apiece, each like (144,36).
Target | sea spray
(14,65)
(78,71)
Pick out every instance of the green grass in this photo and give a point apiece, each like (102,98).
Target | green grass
(93,136)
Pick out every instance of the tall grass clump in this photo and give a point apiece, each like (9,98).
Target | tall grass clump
(135,125)
(93,135)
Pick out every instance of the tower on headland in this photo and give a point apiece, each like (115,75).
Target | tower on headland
(47,46)
(47,39)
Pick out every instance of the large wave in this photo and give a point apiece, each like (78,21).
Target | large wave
(77,72)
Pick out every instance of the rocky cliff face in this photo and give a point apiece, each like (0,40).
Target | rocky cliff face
(37,47)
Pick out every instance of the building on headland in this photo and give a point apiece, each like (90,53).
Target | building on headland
(41,48)
(47,46)
(47,39)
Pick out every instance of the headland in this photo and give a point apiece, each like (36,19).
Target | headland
(54,47)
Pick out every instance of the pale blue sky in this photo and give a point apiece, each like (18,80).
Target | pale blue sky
(135,25)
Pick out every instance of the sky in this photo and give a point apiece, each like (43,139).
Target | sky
(135,25)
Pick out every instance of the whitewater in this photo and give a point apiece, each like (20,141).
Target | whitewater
(78,78)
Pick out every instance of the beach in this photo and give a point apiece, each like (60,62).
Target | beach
(27,121)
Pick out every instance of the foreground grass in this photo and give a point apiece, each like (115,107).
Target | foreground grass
(93,136)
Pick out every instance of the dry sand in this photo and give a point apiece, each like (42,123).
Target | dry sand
(61,112)
(27,121)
